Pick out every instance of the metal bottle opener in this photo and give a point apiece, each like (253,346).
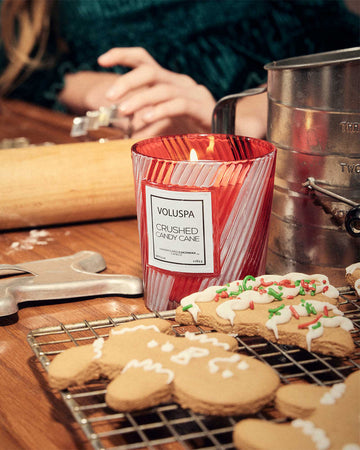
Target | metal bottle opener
(60,278)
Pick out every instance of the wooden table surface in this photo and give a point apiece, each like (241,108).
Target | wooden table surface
(31,416)
(39,126)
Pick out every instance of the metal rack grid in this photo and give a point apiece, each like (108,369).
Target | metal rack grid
(169,423)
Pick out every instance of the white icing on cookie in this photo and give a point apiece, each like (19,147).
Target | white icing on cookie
(198,297)
(205,338)
(259,290)
(351,269)
(213,363)
(320,306)
(321,281)
(313,333)
(329,322)
(152,343)
(317,283)
(243,365)
(167,347)
(330,397)
(186,355)
(284,316)
(116,331)
(317,435)
(226,310)
(149,365)
(351,446)
(98,345)
(227,374)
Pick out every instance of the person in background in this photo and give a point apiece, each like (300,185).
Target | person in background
(163,62)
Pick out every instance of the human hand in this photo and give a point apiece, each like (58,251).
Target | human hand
(251,116)
(160,101)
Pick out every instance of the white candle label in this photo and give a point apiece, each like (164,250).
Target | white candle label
(180,230)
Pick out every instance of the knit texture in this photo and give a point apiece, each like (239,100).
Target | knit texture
(222,44)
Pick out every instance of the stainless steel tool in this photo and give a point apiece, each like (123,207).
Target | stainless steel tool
(314,122)
(61,278)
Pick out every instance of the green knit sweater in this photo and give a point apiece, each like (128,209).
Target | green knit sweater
(222,44)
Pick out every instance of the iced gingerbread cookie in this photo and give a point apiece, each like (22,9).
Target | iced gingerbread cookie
(294,309)
(352,275)
(148,366)
(327,419)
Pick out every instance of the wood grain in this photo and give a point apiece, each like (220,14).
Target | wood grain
(32,416)
(39,125)
(41,185)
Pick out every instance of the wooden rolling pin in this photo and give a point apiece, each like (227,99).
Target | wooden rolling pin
(66,183)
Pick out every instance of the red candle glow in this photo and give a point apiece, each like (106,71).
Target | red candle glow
(202,222)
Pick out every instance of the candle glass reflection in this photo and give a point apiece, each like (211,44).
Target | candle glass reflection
(203,222)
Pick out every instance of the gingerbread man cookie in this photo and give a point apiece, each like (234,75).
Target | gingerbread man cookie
(148,366)
(295,309)
(352,275)
(329,420)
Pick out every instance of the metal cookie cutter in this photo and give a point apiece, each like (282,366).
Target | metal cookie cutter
(103,117)
(61,278)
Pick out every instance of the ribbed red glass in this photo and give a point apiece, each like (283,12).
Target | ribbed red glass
(239,174)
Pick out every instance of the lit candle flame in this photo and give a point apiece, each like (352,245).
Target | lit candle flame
(193,155)
(211,145)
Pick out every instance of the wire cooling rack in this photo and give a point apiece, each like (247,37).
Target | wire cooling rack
(168,423)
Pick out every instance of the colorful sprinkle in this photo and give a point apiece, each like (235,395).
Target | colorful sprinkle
(310,308)
(266,284)
(185,308)
(287,283)
(245,280)
(277,296)
(307,324)
(294,312)
(317,325)
(219,291)
(236,293)
(275,311)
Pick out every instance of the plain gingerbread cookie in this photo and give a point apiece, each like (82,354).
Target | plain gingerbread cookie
(334,424)
(147,366)
(294,309)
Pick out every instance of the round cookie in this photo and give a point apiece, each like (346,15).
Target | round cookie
(299,400)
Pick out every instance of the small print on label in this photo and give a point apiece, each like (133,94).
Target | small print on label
(180,230)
